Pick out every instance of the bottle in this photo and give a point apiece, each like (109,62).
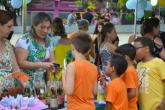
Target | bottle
(53,99)
(26,92)
(42,91)
(60,95)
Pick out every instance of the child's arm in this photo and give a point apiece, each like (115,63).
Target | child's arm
(162,105)
(64,79)
(131,93)
(68,79)
(108,106)
(95,88)
(15,64)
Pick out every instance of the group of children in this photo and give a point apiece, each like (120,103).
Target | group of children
(127,90)
(80,77)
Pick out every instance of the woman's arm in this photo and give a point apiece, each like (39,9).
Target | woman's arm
(95,88)
(15,64)
(158,41)
(162,53)
(52,57)
(131,93)
(22,54)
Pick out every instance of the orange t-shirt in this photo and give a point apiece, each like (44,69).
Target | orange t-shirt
(85,78)
(130,78)
(117,94)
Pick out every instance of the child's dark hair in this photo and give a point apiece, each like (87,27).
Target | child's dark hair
(82,42)
(120,64)
(127,49)
(146,42)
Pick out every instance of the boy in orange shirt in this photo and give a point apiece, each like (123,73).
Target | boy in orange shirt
(116,93)
(80,77)
(130,76)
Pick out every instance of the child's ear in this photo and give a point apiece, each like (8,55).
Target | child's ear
(113,69)
(147,49)
(126,57)
(88,52)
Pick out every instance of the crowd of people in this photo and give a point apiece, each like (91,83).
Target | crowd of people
(105,15)
(131,75)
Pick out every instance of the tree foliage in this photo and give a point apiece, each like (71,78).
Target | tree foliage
(90,4)
(121,3)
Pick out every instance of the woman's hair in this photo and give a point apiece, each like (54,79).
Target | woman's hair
(96,31)
(107,28)
(58,27)
(41,17)
(5,17)
(149,24)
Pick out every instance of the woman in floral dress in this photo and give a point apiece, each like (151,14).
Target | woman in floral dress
(8,62)
(35,50)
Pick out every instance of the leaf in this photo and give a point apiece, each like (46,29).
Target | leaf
(79,3)
(121,3)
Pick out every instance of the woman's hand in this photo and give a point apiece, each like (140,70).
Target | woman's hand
(101,78)
(131,38)
(46,65)
(158,41)
(50,66)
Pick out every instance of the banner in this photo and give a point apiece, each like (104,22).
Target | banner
(41,5)
(49,5)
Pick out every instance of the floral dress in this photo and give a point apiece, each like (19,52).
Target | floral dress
(36,53)
(6,66)
(105,55)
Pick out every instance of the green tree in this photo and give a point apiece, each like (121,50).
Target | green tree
(121,3)
(91,4)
